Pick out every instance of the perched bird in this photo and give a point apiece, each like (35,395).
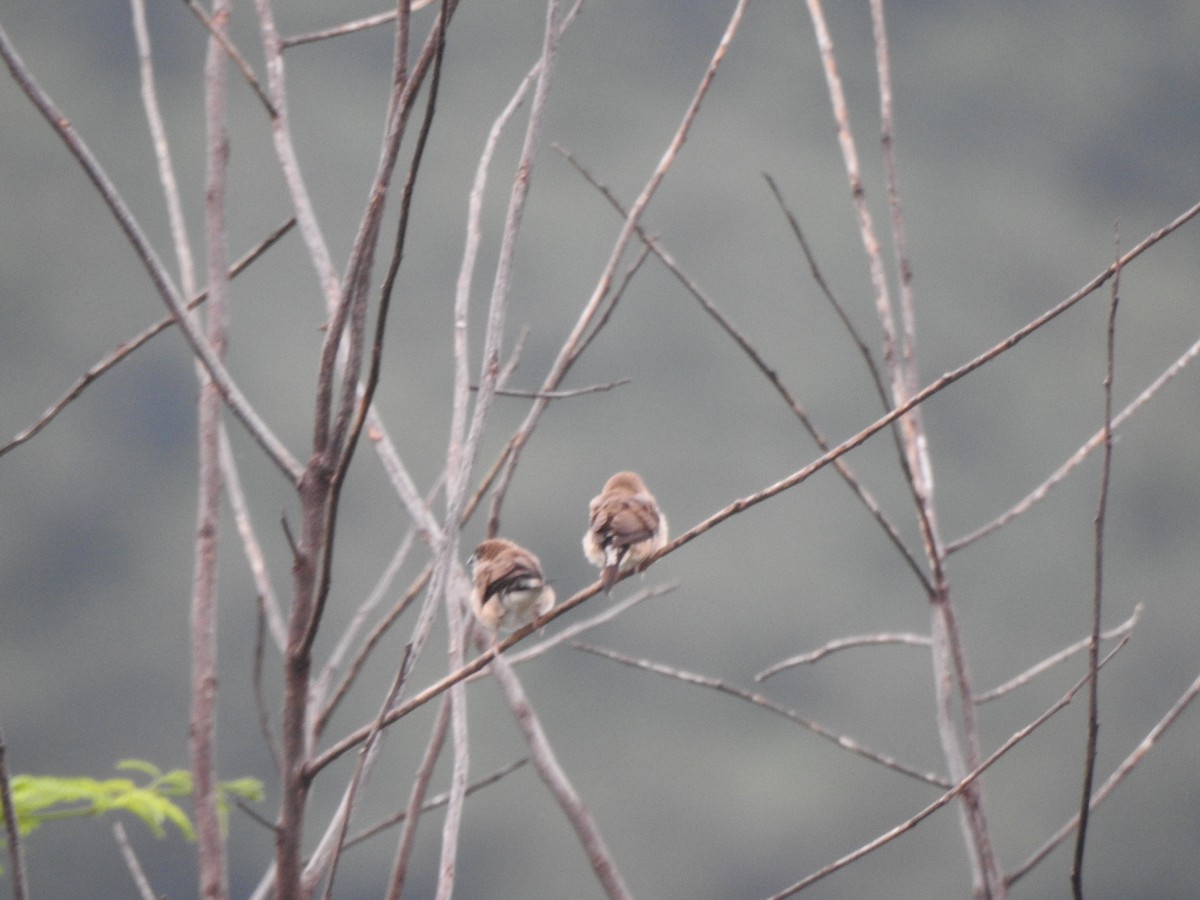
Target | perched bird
(625,527)
(508,589)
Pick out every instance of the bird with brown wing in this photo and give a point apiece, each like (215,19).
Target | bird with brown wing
(625,527)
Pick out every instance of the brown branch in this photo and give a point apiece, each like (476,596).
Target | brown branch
(260,697)
(202,730)
(11,829)
(1055,658)
(128,347)
(558,395)
(1119,774)
(370,746)
(349,27)
(436,802)
(823,285)
(841,740)
(162,151)
(555,779)
(131,862)
(416,804)
(1093,726)
(233,53)
(232,394)
(941,801)
(835,646)
(1096,440)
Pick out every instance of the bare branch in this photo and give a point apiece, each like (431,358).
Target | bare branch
(1093,726)
(435,802)
(558,395)
(260,697)
(606,615)
(131,862)
(12,833)
(556,780)
(162,152)
(202,730)
(1061,656)
(835,646)
(234,54)
(232,395)
(841,740)
(416,806)
(349,27)
(941,801)
(251,547)
(134,343)
(1119,774)
(1079,455)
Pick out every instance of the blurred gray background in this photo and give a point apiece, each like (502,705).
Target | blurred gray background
(1025,133)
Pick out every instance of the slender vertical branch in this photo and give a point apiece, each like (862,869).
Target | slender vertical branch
(1093,728)
(12,833)
(416,800)
(202,732)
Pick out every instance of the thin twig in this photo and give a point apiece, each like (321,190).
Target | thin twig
(357,402)
(460,465)
(233,53)
(606,615)
(251,547)
(1119,774)
(558,395)
(131,863)
(460,741)
(342,823)
(835,646)
(1096,440)
(134,343)
(232,394)
(416,806)
(555,779)
(162,151)
(349,27)
(12,833)
(941,801)
(1055,658)
(1093,719)
(368,645)
(841,740)
(260,697)
(435,802)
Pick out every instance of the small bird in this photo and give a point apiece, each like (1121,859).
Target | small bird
(625,527)
(508,589)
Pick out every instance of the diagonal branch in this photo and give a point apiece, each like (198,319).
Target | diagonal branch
(841,740)
(230,392)
(555,779)
(941,801)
